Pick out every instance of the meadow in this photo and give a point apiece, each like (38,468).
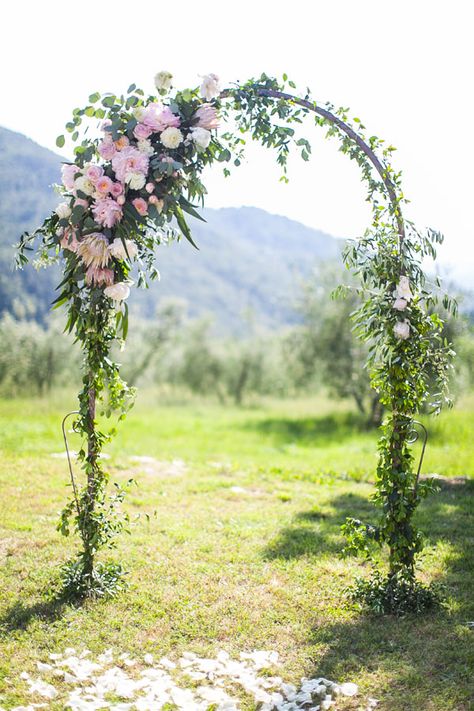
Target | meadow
(235,545)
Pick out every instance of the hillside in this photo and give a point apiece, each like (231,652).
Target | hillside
(249,260)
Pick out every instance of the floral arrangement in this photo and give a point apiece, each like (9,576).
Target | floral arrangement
(130,188)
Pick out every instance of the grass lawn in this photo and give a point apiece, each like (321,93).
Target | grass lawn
(237,546)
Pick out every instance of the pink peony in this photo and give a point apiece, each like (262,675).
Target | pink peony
(140,206)
(99,276)
(116,189)
(94,172)
(104,185)
(107,148)
(142,131)
(129,160)
(159,118)
(107,212)
(68,173)
(81,202)
(206,117)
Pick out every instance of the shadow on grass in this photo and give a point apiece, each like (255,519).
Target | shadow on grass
(318,531)
(19,615)
(309,431)
(422,662)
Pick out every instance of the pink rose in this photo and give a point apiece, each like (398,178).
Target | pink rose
(116,189)
(149,187)
(206,117)
(94,172)
(122,143)
(107,212)
(140,206)
(107,149)
(69,240)
(121,200)
(104,185)
(142,131)
(68,172)
(100,276)
(157,202)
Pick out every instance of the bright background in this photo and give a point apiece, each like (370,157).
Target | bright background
(404,68)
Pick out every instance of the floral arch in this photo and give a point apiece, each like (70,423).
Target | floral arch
(130,190)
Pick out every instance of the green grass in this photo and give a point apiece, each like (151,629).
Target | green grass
(212,568)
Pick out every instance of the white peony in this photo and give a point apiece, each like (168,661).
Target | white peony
(84,185)
(400,304)
(402,330)
(163,81)
(118,292)
(210,88)
(63,211)
(136,181)
(201,137)
(144,146)
(171,137)
(403,289)
(117,249)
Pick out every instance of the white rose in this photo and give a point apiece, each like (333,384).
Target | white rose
(403,289)
(144,146)
(402,330)
(84,185)
(118,250)
(163,81)
(210,88)
(136,181)
(400,304)
(201,137)
(171,137)
(63,211)
(118,292)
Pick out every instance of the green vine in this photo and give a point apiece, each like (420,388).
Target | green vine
(407,352)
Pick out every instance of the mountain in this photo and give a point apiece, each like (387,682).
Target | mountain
(249,261)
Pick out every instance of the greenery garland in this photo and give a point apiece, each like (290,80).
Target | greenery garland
(127,193)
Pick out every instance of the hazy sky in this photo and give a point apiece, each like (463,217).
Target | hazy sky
(405,68)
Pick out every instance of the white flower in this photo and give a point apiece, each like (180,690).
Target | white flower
(171,137)
(163,81)
(402,330)
(138,113)
(210,88)
(400,304)
(403,289)
(84,185)
(144,146)
(63,210)
(136,181)
(117,249)
(118,292)
(201,137)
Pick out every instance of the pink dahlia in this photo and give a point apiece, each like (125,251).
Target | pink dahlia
(106,148)
(107,212)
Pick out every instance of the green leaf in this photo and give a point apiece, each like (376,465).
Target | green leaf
(189,208)
(183,225)
(60,141)
(94,97)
